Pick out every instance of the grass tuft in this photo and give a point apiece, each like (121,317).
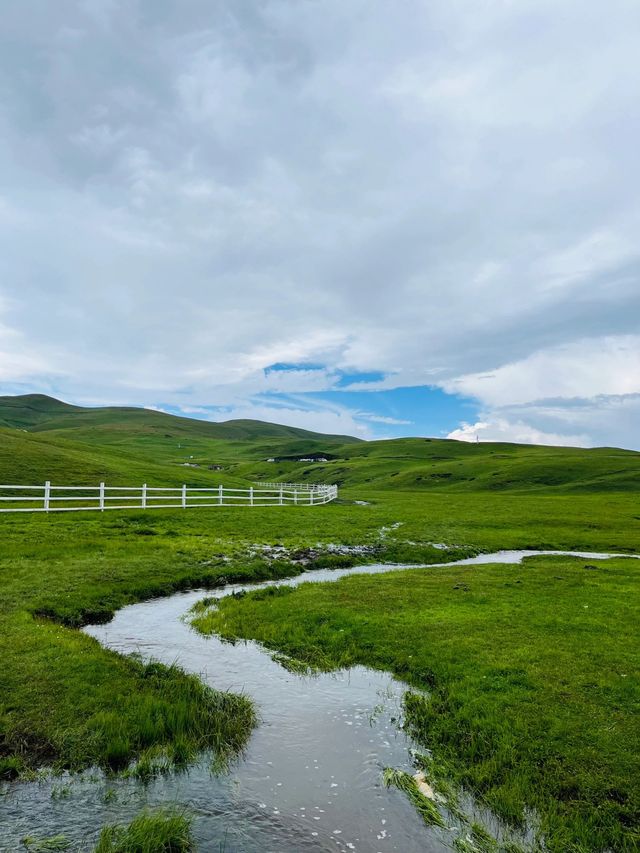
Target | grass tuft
(425,807)
(155,832)
(46,845)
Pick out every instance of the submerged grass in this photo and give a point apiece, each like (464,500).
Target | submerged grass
(156,832)
(425,807)
(531,672)
(46,845)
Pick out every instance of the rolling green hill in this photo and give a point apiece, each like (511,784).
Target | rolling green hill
(29,459)
(442,464)
(43,438)
(40,413)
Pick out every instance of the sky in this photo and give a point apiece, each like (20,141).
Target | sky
(362,217)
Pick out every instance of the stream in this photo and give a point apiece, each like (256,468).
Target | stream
(310,778)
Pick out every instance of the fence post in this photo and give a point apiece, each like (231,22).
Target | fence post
(280,495)
(184,496)
(295,496)
(220,495)
(144,496)
(47,494)
(101,497)
(251,495)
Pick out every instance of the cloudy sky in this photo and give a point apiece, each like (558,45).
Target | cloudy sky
(357,216)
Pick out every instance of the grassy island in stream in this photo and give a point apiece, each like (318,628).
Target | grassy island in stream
(532,673)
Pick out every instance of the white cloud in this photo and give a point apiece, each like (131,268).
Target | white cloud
(447,195)
(584,368)
(98,138)
(384,419)
(500,429)
(324,420)
(18,360)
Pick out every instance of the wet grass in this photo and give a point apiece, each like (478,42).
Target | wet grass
(156,832)
(46,845)
(404,782)
(532,674)
(107,710)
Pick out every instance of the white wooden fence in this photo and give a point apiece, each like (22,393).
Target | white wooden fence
(301,487)
(49,498)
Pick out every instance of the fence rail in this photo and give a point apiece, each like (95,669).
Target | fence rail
(50,498)
(301,487)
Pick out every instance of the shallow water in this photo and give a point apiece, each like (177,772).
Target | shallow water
(311,776)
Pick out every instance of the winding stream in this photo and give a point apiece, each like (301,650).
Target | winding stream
(311,776)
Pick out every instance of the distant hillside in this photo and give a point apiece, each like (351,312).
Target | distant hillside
(37,412)
(42,438)
(32,458)
(431,463)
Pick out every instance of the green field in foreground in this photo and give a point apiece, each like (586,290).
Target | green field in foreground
(532,673)
(75,568)
(552,716)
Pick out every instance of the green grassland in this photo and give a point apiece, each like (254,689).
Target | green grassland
(42,438)
(554,709)
(428,464)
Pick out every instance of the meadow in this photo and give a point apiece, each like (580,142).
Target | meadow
(531,671)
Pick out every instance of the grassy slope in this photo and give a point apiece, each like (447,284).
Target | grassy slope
(444,465)
(39,412)
(42,438)
(156,436)
(121,442)
(30,459)
(533,671)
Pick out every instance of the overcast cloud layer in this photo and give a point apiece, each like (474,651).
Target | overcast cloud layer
(234,208)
